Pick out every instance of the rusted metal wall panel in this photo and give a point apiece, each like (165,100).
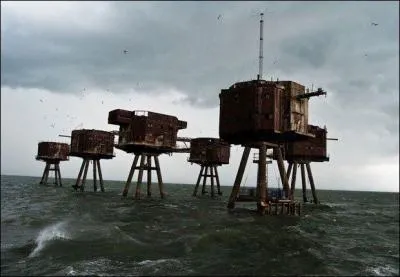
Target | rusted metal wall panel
(209,151)
(249,108)
(294,112)
(119,117)
(93,142)
(53,150)
(150,129)
(311,149)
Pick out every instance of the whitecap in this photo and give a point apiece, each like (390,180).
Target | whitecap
(156,262)
(52,232)
(383,270)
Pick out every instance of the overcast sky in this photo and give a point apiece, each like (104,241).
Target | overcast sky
(63,67)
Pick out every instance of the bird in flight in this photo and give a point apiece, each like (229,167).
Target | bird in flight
(374,24)
(219,17)
(125,52)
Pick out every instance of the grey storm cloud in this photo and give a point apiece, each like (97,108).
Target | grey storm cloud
(184,45)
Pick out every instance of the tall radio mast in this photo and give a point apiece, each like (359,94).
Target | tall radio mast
(260,62)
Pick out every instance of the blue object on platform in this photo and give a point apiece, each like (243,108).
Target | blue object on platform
(275,193)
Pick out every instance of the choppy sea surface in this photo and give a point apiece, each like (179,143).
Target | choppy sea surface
(47,230)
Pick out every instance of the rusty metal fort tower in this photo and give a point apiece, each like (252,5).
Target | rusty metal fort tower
(147,135)
(52,153)
(91,146)
(265,115)
(209,153)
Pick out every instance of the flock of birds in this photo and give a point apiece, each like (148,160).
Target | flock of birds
(125,52)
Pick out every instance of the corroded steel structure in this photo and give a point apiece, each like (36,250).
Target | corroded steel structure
(52,153)
(301,154)
(209,153)
(147,135)
(264,114)
(92,146)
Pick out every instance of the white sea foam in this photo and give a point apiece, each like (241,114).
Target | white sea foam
(383,271)
(156,262)
(125,235)
(52,232)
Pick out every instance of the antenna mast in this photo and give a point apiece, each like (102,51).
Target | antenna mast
(260,62)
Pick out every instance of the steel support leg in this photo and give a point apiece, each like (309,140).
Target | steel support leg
(128,182)
(212,181)
(59,174)
(203,191)
(148,175)
(303,183)
(78,180)
(293,184)
(262,182)
(44,174)
(100,176)
(217,179)
(55,174)
(289,171)
(159,177)
(140,177)
(311,179)
(94,176)
(239,177)
(282,172)
(198,181)
(84,175)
